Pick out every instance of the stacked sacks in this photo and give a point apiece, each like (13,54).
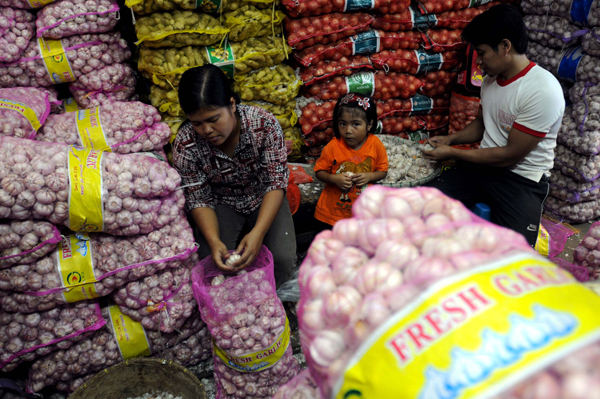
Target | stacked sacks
(246,39)
(390,55)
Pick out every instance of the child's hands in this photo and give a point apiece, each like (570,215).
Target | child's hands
(343,181)
(360,179)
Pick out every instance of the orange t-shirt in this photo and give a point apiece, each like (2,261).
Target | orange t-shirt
(337,157)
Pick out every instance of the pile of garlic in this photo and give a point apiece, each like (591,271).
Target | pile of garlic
(406,162)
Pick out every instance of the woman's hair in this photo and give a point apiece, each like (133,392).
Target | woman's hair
(205,88)
(496,24)
(356,104)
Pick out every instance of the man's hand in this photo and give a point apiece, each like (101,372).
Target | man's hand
(342,181)
(219,255)
(360,179)
(441,150)
(249,247)
(442,140)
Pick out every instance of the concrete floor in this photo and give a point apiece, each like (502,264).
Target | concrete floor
(575,240)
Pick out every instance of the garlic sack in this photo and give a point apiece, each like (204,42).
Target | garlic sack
(26,337)
(14,123)
(406,162)
(17,29)
(164,255)
(109,84)
(65,369)
(301,387)
(24,242)
(139,193)
(67,18)
(127,126)
(244,316)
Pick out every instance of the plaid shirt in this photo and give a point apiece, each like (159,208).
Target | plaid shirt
(259,164)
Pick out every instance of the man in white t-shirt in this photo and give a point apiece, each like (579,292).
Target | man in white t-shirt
(521,111)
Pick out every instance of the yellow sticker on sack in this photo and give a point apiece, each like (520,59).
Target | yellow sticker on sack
(85,199)
(76,268)
(39,3)
(56,61)
(257,361)
(475,334)
(70,105)
(542,244)
(90,130)
(23,109)
(130,335)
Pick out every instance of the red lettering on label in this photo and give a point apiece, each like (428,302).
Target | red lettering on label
(527,283)
(66,248)
(450,308)
(507,286)
(401,349)
(417,335)
(476,297)
(434,319)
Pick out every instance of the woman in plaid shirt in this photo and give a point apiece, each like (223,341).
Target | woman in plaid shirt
(233,164)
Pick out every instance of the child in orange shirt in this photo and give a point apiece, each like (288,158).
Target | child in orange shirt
(351,160)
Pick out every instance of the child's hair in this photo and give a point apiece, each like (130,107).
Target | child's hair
(205,88)
(356,104)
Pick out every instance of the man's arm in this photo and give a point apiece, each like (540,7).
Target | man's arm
(518,146)
(472,133)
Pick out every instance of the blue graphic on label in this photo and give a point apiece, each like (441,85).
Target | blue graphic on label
(357,5)
(421,20)
(421,104)
(569,63)
(366,43)
(429,61)
(497,351)
(580,11)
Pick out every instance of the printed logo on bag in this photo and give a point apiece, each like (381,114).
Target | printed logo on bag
(366,42)
(429,61)
(476,333)
(421,104)
(57,64)
(357,5)
(70,105)
(362,83)
(580,11)
(89,128)
(130,335)
(222,57)
(76,267)
(85,180)
(567,69)
(257,361)
(420,19)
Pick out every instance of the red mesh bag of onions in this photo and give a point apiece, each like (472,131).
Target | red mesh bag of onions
(17,28)
(23,111)
(252,351)
(305,32)
(163,301)
(121,127)
(23,242)
(121,195)
(107,262)
(414,287)
(67,369)
(326,69)
(397,125)
(64,18)
(437,83)
(109,84)
(304,8)
(80,54)
(417,61)
(26,337)
(301,387)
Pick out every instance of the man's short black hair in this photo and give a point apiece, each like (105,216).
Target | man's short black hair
(496,24)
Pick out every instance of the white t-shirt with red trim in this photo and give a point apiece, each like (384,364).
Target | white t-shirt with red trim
(531,102)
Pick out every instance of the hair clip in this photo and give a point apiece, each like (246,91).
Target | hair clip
(361,101)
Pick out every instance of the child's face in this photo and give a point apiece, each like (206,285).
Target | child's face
(353,128)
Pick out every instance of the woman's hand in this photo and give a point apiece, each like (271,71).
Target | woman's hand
(219,256)
(249,247)
(343,181)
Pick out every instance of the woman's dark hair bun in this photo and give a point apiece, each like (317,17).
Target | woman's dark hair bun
(205,88)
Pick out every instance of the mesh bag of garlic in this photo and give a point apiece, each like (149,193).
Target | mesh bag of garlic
(414,287)
(407,167)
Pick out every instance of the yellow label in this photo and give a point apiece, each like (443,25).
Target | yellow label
(75,266)
(56,61)
(85,201)
(70,105)
(475,334)
(39,3)
(23,109)
(130,335)
(258,361)
(542,245)
(90,130)
(131,3)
